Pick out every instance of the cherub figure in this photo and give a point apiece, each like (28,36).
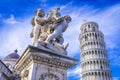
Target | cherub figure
(38,25)
(54,14)
(59,27)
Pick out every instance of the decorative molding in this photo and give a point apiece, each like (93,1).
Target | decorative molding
(24,73)
(47,59)
(49,76)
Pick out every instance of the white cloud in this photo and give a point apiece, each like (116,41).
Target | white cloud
(116,78)
(76,72)
(10,20)
(15,36)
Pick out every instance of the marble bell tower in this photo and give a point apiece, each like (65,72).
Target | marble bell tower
(94,60)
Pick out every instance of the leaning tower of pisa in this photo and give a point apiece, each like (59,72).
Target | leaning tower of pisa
(94,61)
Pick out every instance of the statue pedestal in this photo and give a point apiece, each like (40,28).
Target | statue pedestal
(39,64)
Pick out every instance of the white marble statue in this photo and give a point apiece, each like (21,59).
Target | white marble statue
(50,30)
(39,29)
(36,31)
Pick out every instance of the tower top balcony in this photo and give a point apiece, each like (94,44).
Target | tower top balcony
(89,26)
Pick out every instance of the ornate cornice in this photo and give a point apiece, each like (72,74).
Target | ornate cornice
(36,55)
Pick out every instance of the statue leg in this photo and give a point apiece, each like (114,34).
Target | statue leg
(36,33)
(52,36)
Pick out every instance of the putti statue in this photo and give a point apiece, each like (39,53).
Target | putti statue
(48,33)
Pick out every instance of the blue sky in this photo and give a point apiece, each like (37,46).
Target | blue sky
(15,26)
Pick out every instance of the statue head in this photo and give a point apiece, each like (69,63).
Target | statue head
(40,13)
(67,18)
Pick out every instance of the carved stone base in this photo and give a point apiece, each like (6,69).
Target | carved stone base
(39,64)
(57,48)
